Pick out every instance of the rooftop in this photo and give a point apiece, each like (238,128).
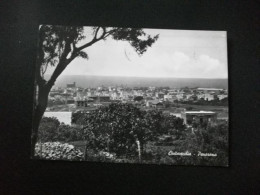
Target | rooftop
(209,89)
(199,112)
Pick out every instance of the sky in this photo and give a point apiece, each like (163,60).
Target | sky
(177,53)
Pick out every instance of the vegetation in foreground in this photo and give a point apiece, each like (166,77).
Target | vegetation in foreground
(124,133)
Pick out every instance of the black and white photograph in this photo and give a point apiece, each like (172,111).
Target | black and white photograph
(131,95)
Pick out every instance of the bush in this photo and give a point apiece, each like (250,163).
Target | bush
(116,128)
(213,139)
(48,129)
(51,130)
(100,156)
(66,133)
(57,151)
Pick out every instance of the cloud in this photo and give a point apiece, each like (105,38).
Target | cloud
(182,65)
(170,56)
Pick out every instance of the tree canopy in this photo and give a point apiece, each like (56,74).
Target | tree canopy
(59,45)
(116,128)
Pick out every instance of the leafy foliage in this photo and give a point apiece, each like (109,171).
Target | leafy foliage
(58,46)
(53,41)
(51,130)
(116,128)
(132,36)
(174,126)
(48,129)
(111,133)
(138,98)
(57,151)
(212,139)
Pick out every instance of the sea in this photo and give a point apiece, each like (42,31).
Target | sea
(86,81)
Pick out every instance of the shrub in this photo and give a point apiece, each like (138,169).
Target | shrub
(116,128)
(51,130)
(57,151)
(48,129)
(66,133)
(100,156)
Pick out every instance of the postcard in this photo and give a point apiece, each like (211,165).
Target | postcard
(131,95)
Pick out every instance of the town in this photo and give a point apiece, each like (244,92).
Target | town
(206,103)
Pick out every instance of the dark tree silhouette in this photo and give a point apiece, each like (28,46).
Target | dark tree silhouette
(58,46)
(138,98)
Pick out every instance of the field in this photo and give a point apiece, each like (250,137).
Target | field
(64,117)
(201,107)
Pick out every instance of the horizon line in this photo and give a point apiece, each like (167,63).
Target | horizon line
(139,76)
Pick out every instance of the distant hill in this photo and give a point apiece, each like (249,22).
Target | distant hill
(95,81)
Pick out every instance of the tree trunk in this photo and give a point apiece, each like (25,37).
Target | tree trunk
(40,107)
(142,150)
(139,151)
(86,151)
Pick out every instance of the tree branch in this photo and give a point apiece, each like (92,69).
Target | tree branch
(94,40)
(109,33)
(61,65)
(95,36)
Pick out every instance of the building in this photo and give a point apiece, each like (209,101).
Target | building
(179,96)
(160,95)
(104,98)
(209,97)
(70,101)
(71,85)
(167,97)
(93,98)
(223,96)
(81,103)
(209,89)
(115,96)
(178,115)
(199,116)
(154,104)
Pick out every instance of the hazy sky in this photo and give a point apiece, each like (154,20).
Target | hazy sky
(177,53)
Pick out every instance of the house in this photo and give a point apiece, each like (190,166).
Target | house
(223,96)
(167,97)
(93,98)
(81,103)
(154,104)
(200,116)
(200,96)
(209,89)
(160,95)
(70,101)
(150,103)
(179,96)
(115,96)
(175,114)
(208,97)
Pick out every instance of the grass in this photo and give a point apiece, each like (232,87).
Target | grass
(202,107)
(79,144)
(151,146)
(165,148)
